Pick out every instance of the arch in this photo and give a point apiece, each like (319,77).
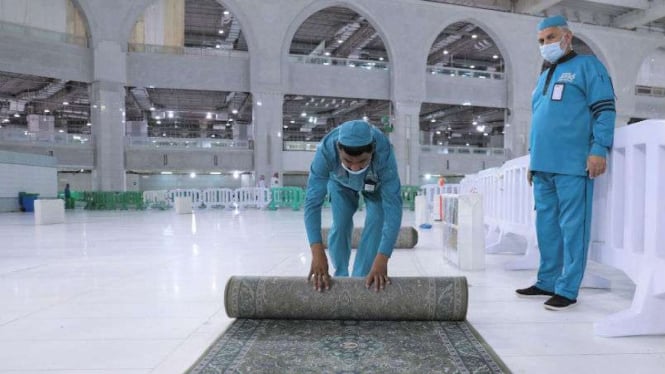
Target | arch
(595,48)
(489,30)
(232,5)
(86,20)
(310,10)
(646,54)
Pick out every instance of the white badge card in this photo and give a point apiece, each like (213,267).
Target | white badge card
(557,91)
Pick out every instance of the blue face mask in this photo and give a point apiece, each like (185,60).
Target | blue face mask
(552,52)
(356,172)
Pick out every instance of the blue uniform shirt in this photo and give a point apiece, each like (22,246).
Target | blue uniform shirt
(573,115)
(327,166)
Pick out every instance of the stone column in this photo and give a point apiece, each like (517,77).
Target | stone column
(405,140)
(107,100)
(267,120)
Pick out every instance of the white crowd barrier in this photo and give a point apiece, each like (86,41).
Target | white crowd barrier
(218,198)
(433,201)
(193,194)
(628,224)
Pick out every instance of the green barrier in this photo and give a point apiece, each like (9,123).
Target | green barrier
(111,200)
(409,194)
(291,197)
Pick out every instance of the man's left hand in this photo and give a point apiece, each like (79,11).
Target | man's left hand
(595,166)
(378,276)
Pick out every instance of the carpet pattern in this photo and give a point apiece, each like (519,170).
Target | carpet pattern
(406,299)
(294,346)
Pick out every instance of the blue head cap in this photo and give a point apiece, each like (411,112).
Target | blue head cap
(553,21)
(355,133)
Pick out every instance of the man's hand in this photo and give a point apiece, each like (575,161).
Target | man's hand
(595,166)
(318,273)
(529,177)
(378,276)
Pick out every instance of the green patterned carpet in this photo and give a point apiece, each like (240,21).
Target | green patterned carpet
(309,346)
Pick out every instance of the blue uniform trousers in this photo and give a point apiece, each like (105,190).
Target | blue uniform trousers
(344,203)
(563,223)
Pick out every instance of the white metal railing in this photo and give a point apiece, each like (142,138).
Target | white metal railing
(463,239)
(296,145)
(164,142)
(650,91)
(444,149)
(335,61)
(466,73)
(12,135)
(244,197)
(627,226)
(180,50)
(47,35)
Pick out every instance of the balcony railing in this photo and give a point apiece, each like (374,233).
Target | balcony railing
(443,149)
(348,62)
(650,91)
(46,35)
(465,73)
(179,143)
(176,50)
(9,135)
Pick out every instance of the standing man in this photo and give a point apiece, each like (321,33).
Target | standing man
(355,158)
(571,133)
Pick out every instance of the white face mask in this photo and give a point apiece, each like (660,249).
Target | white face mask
(356,172)
(552,52)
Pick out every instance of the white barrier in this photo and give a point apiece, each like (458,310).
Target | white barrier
(192,194)
(49,211)
(434,203)
(628,229)
(628,225)
(258,197)
(463,237)
(218,197)
(159,198)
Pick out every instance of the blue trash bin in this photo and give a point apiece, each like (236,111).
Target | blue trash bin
(27,201)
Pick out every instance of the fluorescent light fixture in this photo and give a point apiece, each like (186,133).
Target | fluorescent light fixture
(495,57)
(303,114)
(474,36)
(166,173)
(292,121)
(16,115)
(445,52)
(432,120)
(192,175)
(428,176)
(152,108)
(226,12)
(65,103)
(47,111)
(236,174)
(327,53)
(61,131)
(234,111)
(221,31)
(170,114)
(472,66)
(215,173)
(466,103)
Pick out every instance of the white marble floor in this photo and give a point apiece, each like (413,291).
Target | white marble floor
(142,292)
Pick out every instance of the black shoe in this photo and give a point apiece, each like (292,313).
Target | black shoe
(533,291)
(558,302)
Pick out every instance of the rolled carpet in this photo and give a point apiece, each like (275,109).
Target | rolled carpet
(407,239)
(406,299)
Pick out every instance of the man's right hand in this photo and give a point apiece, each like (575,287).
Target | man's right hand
(318,273)
(529,177)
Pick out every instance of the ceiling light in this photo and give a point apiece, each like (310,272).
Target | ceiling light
(474,36)
(236,174)
(159,122)
(438,133)
(166,173)
(212,136)
(215,173)
(16,115)
(221,31)
(467,144)
(495,57)
(218,46)
(163,134)
(480,128)
(466,103)
(208,115)
(484,134)
(452,74)
(475,123)
(432,120)
(170,114)
(192,175)
(340,41)
(327,53)
(292,121)
(47,111)
(234,111)
(88,124)
(380,58)
(65,103)
(5,120)
(152,108)
(303,114)
(365,118)
(286,126)
(226,12)
(445,51)
(472,66)
(259,103)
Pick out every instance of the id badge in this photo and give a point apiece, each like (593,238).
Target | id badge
(370,187)
(557,91)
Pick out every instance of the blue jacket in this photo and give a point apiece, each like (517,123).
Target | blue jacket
(383,171)
(573,115)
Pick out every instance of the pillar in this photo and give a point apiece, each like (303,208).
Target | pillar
(405,140)
(267,121)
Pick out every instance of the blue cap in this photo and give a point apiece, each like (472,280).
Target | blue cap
(355,133)
(554,21)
